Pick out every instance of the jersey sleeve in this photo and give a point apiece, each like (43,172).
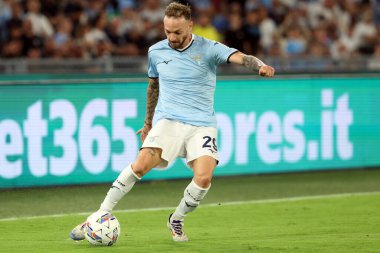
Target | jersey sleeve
(221,52)
(152,70)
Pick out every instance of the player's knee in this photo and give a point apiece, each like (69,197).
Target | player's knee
(146,160)
(203,181)
(140,168)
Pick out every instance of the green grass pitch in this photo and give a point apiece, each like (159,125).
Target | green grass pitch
(267,218)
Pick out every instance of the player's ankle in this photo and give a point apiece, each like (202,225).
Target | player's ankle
(177,217)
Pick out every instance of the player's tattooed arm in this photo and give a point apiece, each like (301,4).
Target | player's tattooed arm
(152,98)
(252,63)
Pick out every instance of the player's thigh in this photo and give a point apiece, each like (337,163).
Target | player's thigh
(147,159)
(168,136)
(202,154)
(203,142)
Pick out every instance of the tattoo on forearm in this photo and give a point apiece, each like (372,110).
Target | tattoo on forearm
(152,98)
(251,62)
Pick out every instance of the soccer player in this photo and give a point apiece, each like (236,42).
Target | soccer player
(180,96)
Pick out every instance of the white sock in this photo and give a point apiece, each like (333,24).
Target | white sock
(191,198)
(122,185)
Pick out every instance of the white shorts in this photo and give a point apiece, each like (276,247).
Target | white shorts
(177,139)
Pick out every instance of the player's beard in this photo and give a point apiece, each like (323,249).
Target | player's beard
(180,44)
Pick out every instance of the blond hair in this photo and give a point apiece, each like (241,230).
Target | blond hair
(178,10)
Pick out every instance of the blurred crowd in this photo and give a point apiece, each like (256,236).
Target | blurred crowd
(340,29)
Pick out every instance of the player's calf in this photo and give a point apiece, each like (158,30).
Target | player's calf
(192,197)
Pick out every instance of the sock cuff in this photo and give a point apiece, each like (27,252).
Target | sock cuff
(198,187)
(133,173)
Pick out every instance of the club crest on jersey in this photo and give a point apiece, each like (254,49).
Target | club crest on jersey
(197,58)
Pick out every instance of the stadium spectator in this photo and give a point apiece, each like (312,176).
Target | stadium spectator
(130,31)
(221,16)
(344,46)
(97,41)
(365,34)
(267,29)
(152,15)
(321,35)
(235,35)
(33,43)
(63,44)
(11,22)
(74,11)
(278,11)
(252,31)
(64,31)
(13,46)
(130,24)
(294,42)
(5,15)
(40,23)
(5,10)
(320,12)
(203,27)
(201,5)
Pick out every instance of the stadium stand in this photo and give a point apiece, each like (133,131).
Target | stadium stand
(322,33)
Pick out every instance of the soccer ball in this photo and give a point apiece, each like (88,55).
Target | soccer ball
(102,228)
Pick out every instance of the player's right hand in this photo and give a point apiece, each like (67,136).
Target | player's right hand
(266,71)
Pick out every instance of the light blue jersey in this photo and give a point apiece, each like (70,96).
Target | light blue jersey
(187,80)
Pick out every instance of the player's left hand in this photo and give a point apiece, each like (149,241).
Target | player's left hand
(266,71)
(144,132)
